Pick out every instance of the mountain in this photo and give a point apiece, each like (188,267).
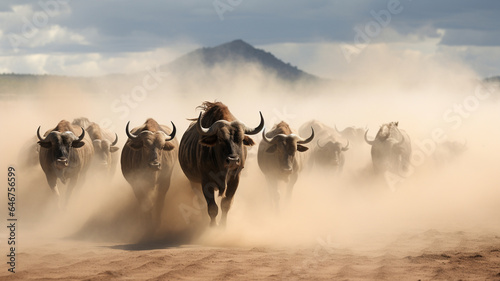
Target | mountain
(233,56)
(202,67)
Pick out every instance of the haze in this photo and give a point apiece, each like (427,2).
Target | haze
(355,210)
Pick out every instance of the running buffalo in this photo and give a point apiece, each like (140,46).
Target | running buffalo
(329,149)
(391,149)
(105,157)
(147,160)
(212,152)
(65,154)
(278,158)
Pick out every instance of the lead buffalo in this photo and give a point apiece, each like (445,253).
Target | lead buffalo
(278,158)
(391,149)
(147,161)
(212,153)
(328,152)
(65,154)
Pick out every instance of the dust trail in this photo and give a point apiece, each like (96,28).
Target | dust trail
(352,210)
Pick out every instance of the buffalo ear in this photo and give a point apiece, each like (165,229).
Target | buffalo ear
(113,149)
(302,148)
(248,141)
(272,148)
(208,141)
(135,145)
(45,144)
(77,144)
(168,146)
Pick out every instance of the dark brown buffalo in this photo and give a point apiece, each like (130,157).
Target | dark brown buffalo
(212,153)
(391,149)
(278,158)
(65,154)
(105,159)
(147,160)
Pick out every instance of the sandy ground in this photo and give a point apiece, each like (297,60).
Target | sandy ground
(441,256)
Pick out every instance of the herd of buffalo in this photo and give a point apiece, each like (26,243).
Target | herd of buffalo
(211,153)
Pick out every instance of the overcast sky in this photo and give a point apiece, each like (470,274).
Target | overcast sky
(96,37)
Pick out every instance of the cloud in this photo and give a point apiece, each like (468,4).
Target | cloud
(119,28)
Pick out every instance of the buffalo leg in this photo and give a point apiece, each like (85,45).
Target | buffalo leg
(69,189)
(160,201)
(274,196)
(209,193)
(52,181)
(226,202)
(290,185)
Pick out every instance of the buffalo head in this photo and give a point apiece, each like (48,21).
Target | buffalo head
(227,139)
(286,146)
(61,143)
(152,144)
(103,149)
(331,151)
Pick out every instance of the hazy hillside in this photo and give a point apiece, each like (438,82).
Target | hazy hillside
(195,68)
(231,56)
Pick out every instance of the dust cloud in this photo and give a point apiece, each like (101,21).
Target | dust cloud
(355,209)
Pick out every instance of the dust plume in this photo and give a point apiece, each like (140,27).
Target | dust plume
(354,209)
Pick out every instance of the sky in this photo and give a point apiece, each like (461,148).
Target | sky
(95,37)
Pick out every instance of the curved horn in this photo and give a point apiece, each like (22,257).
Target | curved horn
(80,138)
(337,130)
(317,142)
(345,148)
(309,139)
(265,138)
(172,134)
(116,140)
(200,129)
(366,139)
(38,134)
(129,134)
(256,130)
